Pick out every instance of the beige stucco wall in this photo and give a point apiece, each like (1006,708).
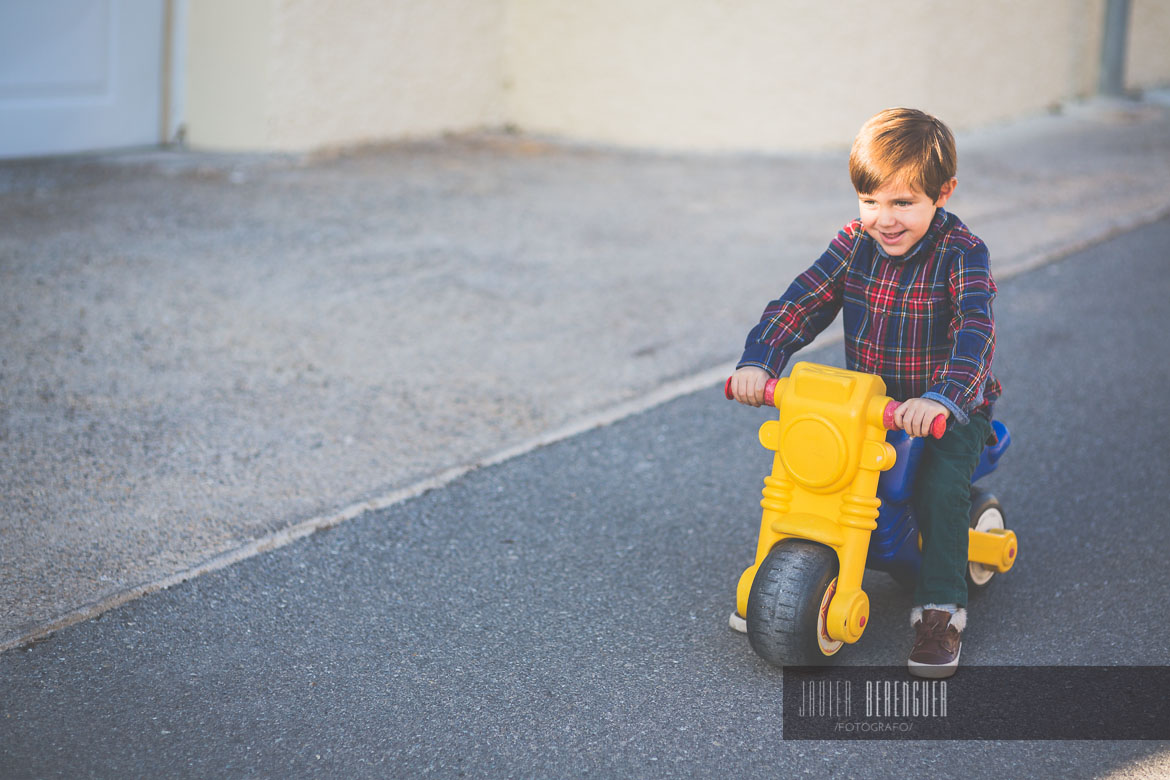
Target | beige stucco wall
(773,75)
(1148,61)
(228,50)
(759,74)
(297,74)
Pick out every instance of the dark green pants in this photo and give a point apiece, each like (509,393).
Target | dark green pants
(942,506)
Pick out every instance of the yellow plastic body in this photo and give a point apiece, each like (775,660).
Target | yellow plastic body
(830,447)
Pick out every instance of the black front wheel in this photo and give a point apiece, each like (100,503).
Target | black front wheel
(788,602)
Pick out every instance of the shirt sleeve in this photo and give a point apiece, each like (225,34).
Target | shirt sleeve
(807,307)
(958,383)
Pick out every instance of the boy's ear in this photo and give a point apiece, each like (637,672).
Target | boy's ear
(946,192)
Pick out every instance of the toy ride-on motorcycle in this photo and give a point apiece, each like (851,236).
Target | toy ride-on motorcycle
(838,501)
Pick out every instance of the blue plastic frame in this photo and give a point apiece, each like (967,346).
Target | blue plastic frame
(893,545)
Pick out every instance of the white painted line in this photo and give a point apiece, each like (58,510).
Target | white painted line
(278,539)
(1101,233)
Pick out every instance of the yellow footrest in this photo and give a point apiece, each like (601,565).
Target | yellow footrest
(996,548)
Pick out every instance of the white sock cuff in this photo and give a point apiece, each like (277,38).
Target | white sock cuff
(959,619)
(958,615)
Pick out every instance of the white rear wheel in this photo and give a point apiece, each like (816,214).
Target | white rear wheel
(986,515)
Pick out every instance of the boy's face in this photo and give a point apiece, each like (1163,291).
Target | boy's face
(898,215)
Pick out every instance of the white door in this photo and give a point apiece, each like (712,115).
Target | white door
(77,75)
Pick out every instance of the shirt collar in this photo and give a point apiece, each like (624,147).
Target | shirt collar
(937,226)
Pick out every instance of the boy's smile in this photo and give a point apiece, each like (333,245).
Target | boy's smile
(897,216)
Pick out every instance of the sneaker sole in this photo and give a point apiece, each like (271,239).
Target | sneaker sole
(935,671)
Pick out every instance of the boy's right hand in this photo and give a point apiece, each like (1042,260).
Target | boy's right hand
(747,385)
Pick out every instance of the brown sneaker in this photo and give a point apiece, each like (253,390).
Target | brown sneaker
(938,638)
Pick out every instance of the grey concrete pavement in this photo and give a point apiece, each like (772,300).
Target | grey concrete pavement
(202,354)
(564,614)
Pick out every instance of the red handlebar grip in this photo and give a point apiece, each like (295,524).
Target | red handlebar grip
(938,425)
(769,391)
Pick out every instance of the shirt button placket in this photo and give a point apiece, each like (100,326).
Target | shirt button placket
(885,298)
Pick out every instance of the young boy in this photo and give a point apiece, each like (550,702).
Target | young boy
(916,292)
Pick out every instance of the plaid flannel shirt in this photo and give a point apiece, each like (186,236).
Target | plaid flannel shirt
(922,322)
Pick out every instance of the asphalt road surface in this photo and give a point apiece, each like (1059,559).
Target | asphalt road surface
(564,613)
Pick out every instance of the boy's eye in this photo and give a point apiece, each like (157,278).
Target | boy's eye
(903,203)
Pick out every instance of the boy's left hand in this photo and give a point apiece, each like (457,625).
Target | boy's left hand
(916,415)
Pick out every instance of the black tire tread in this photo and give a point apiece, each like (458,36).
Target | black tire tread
(784,601)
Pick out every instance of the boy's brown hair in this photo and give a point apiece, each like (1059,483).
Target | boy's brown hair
(903,145)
